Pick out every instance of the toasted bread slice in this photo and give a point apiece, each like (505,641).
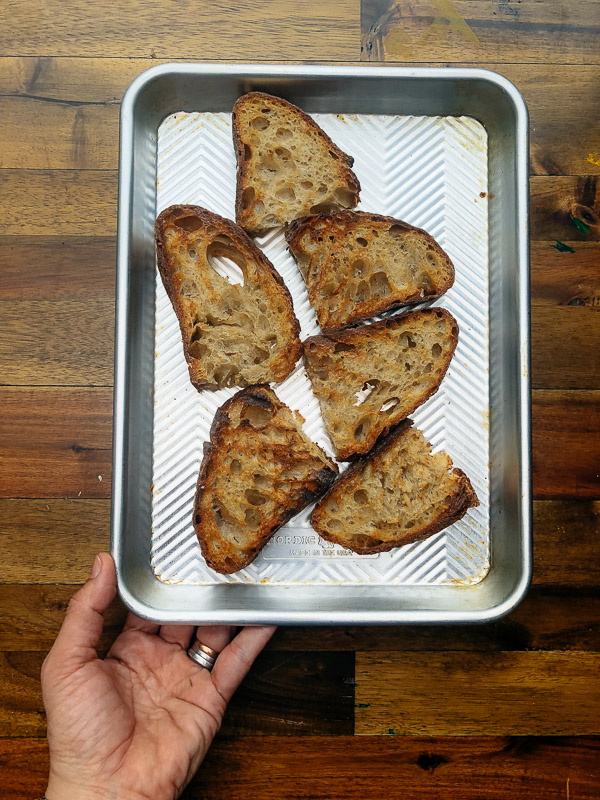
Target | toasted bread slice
(287,166)
(258,471)
(356,265)
(233,334)
(367,379)
(398,494)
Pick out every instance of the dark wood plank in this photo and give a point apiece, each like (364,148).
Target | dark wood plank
(550,618)
(58,203)
(37,134)
(566,541)
(279,30)
(57,268)
(67,536)
(565,208)
(564,278)
(286,695)
(565,347)
(57,343)
(566,443)
(463,694)
(70,106)
(76,345)
(443,31)
(321,768)
(55,442)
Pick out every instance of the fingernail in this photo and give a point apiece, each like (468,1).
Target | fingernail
(97,567)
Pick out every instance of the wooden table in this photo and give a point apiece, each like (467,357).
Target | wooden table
(502,711)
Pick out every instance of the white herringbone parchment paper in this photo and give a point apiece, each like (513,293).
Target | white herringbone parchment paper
(430,172)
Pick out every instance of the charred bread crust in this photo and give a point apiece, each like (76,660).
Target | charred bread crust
(464,499)
(346,162)
(328,341)
(286,361)
(346,221)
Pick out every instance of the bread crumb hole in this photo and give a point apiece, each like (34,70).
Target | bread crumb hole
(248,196)
(436,350)
(247,152)
(410,524)
(345,197)
(360,432)
(253,519)
(389,405)
(428,367)
(189,224)
(226,260)
(187,288)
(193,253)
(342,347)
(284,133)
(235,467)
(260,123)
(334,524)
(255,498)
(362,292)
(360,497)
(362,242)
(306,184)
(380,286)
(286,194)
(258,417)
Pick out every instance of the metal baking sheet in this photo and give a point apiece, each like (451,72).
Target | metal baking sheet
(445,149)
(428,171)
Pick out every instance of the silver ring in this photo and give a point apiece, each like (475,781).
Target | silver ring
(203,655)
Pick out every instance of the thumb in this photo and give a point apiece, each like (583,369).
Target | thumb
(84,620)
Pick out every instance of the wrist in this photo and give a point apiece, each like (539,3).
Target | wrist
(61,789)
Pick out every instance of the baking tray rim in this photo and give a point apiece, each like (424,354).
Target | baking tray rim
(523,357)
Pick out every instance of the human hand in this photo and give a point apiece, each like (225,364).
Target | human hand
(138,723)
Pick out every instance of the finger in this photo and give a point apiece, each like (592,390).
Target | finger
(215,636)
(84,620)
(177,634)
(236,659)
(135,623)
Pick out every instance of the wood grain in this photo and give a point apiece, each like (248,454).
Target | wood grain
(460,694)
(61,113)
(566,208)
(76,348)
(38,134)
(493,768)
(46,343)
(55,203)
(55,442)
(565,347)
(550,618)
(160,29)
(443,31)
(566,541)
(58,203)
(565,278)
(566,443)
(67,536)
(307,693)
(55,268)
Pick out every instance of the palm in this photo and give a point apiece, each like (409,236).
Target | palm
(144,716)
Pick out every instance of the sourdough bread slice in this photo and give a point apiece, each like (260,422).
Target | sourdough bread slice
(369,378)
(398,494)
(234,334)
(356,265)
(259,470)
(287,166)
